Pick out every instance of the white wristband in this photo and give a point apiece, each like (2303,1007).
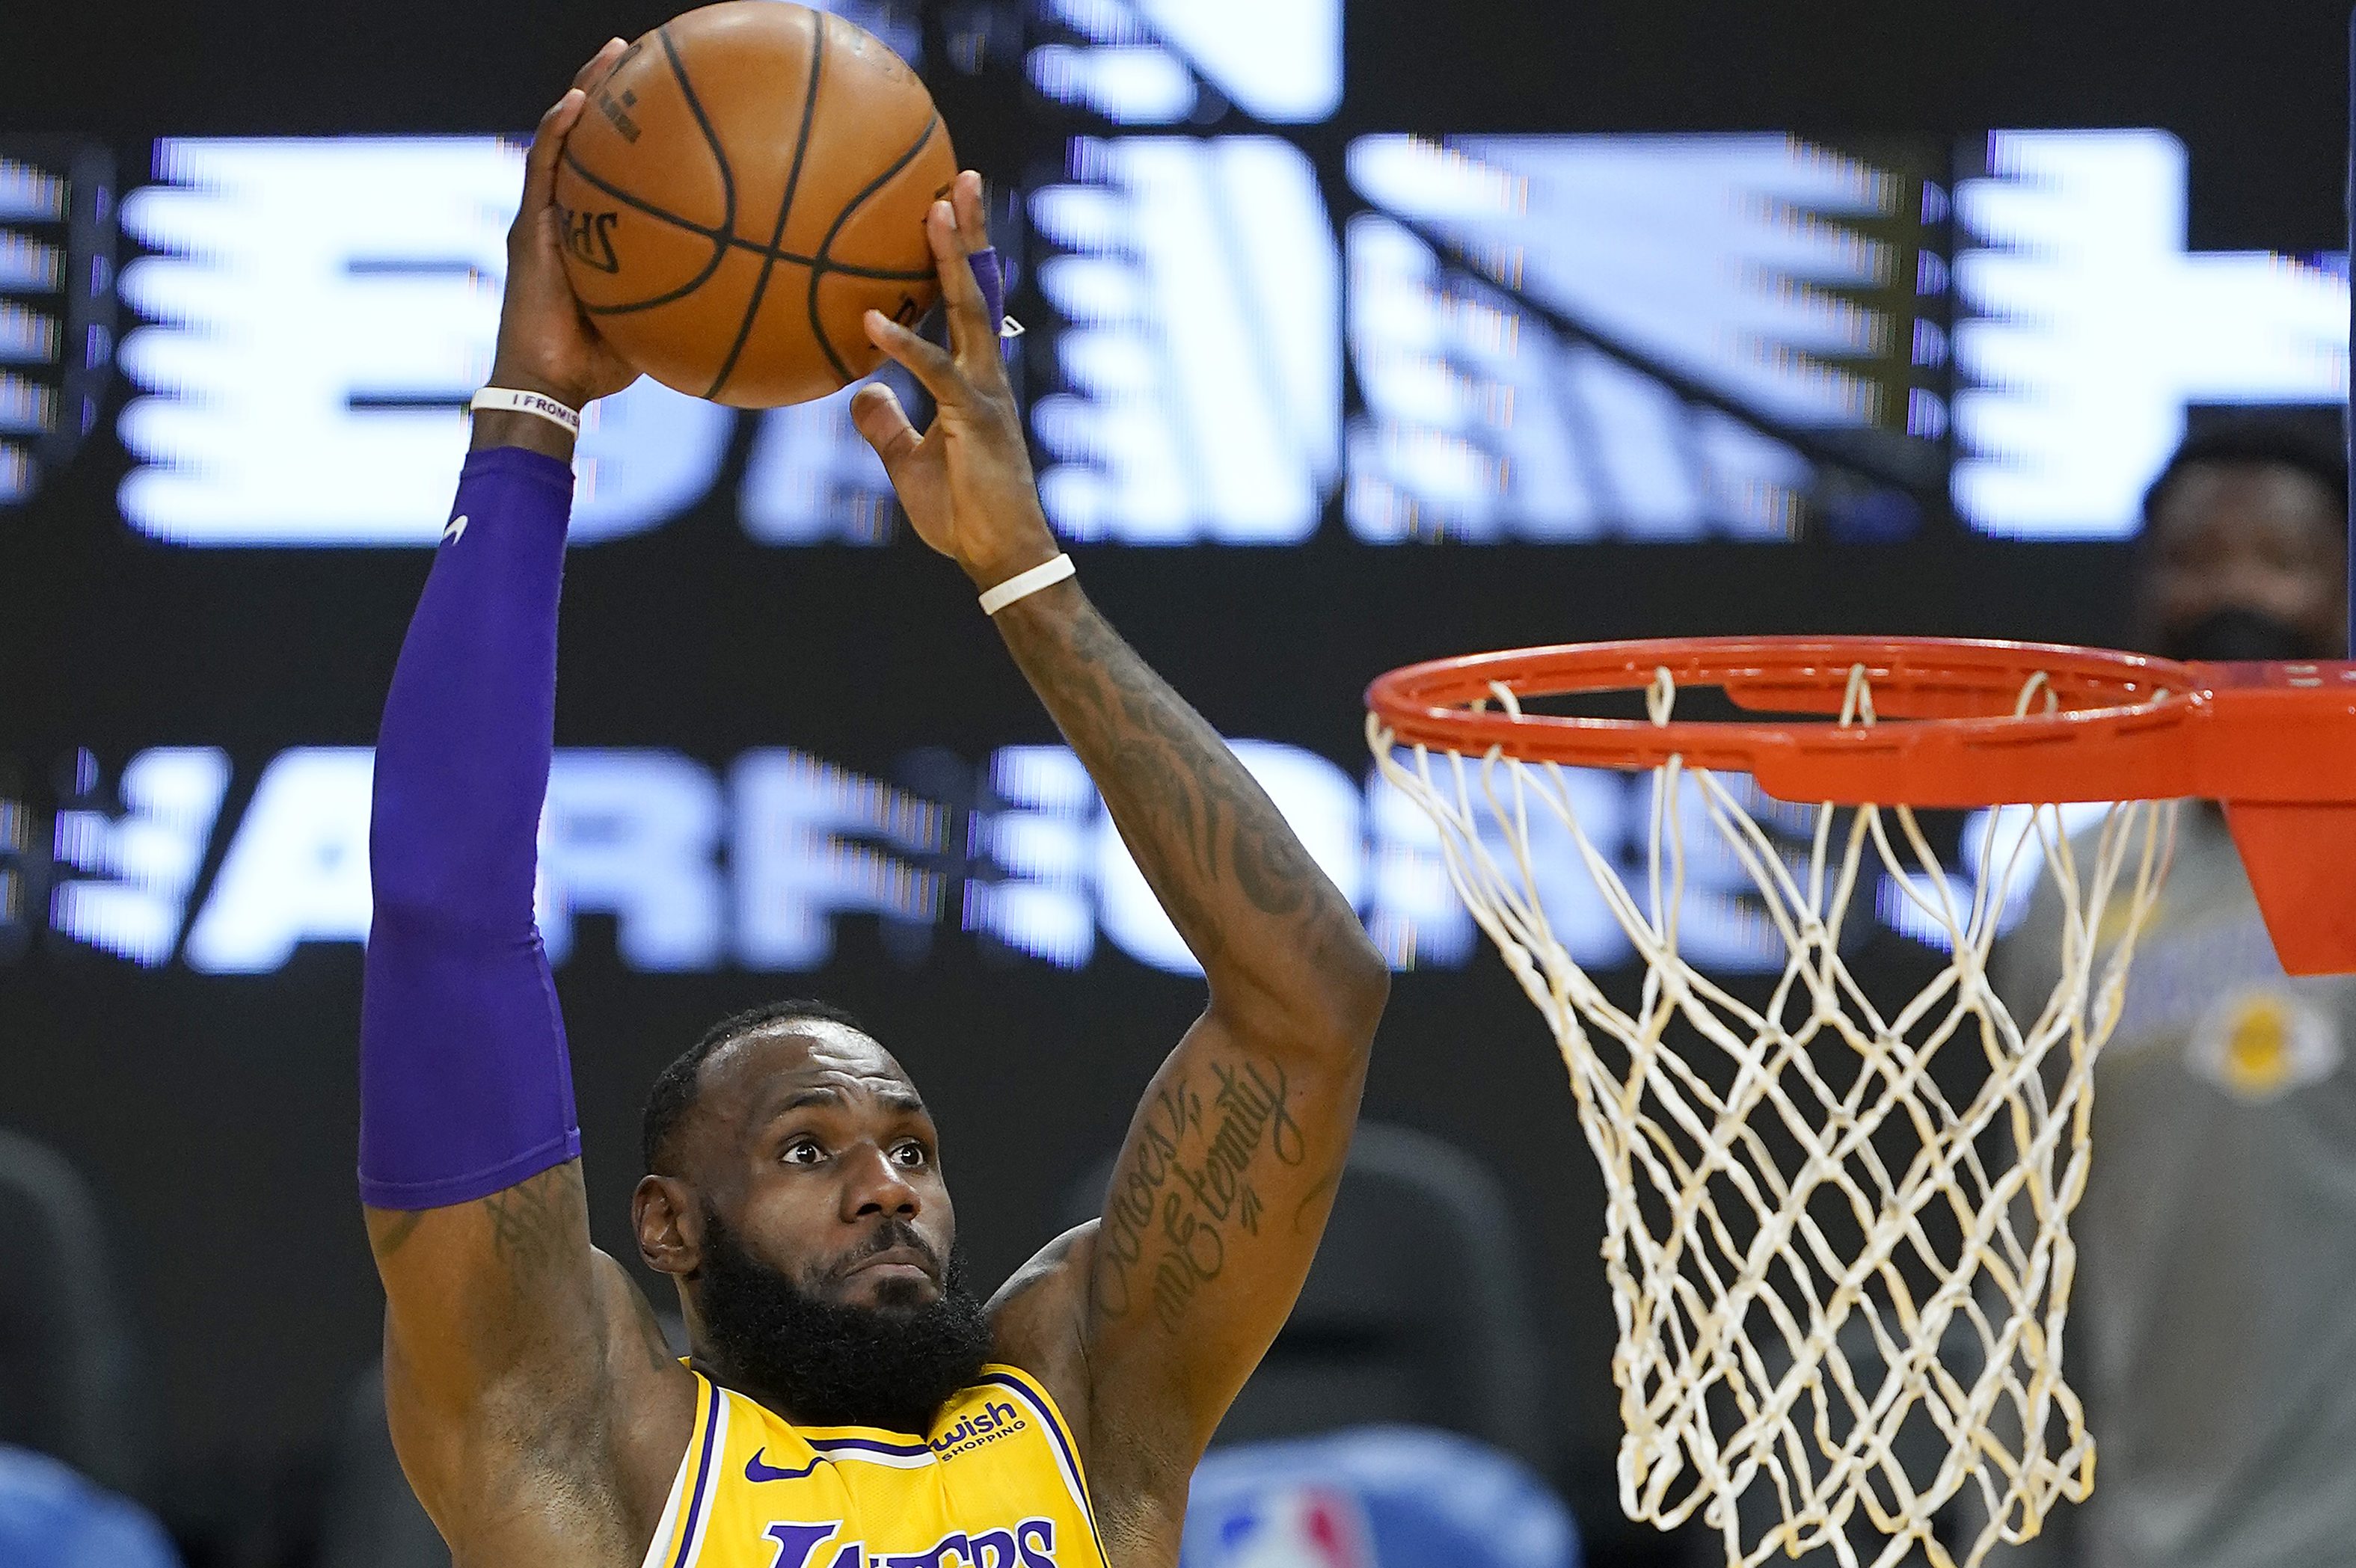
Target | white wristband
(506,400)
(1023,584)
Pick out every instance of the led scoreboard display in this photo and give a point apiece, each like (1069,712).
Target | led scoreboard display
(1257,326)
(1346,345)
(317,309)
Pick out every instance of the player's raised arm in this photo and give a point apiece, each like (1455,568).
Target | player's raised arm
(517,1375)
(1223,1186)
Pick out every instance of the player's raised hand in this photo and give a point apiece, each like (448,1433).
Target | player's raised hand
(546,344)
(966,483)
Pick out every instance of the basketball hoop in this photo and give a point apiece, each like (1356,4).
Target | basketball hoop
(1808,1204)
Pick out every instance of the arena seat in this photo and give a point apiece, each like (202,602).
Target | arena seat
(52,1518)
(1415,1312)
(69,1365)
(373,1519)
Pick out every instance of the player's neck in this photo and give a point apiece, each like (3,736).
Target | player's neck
(783,1407)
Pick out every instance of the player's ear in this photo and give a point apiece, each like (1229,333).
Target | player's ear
(663,1212)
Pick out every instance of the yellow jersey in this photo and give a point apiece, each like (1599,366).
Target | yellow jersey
(996,1484)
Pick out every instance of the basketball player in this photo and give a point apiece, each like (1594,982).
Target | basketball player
(846,1403)
(2212,1326)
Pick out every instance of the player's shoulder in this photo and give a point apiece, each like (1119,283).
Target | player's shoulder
(651,1395)
(1037,1322)
(1048,1292)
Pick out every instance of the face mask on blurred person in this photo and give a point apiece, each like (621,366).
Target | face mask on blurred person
(2238,633)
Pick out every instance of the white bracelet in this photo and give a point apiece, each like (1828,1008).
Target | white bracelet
(506,400)
(1023,584)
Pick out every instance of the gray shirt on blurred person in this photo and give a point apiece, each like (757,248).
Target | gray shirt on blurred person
(2212,1327)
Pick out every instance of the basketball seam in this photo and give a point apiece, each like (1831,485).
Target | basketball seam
(785,206)
(888,274)
(726,240)
(819,266)
(727,192)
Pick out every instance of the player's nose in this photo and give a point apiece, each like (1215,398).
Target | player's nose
(874,1185)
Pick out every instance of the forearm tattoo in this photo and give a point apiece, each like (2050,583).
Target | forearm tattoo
(1222,1136)
(1201,827)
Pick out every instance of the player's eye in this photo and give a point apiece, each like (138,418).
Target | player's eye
(911,1156)
(803,1151)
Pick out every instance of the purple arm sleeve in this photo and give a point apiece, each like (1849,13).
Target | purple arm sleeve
(465,1085)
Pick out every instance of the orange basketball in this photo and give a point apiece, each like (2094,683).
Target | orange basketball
(748,181)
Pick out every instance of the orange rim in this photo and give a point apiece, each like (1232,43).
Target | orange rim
(2274,742)
(2121,725)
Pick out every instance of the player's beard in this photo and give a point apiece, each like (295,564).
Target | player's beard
(826,1363)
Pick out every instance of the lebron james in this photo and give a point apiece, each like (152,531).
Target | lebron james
(846,1403)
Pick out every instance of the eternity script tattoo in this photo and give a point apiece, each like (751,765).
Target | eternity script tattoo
(1187,1189)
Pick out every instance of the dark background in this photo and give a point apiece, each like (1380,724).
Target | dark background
(216,1115)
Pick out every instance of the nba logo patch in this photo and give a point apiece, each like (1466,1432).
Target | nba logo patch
(1296,1526)
(2263,1041)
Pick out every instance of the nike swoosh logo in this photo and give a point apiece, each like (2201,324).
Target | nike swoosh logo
(457,530)
(756,1471)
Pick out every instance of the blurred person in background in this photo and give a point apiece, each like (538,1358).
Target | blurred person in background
(2213,1325)
(51,1517)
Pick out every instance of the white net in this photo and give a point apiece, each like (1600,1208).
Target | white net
(1837,1231)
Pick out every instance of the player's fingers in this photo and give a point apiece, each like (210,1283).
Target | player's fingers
(876,415)
(930,365)
(972,335)
(599,63)
(972,212)
(547,146)
(548,139)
